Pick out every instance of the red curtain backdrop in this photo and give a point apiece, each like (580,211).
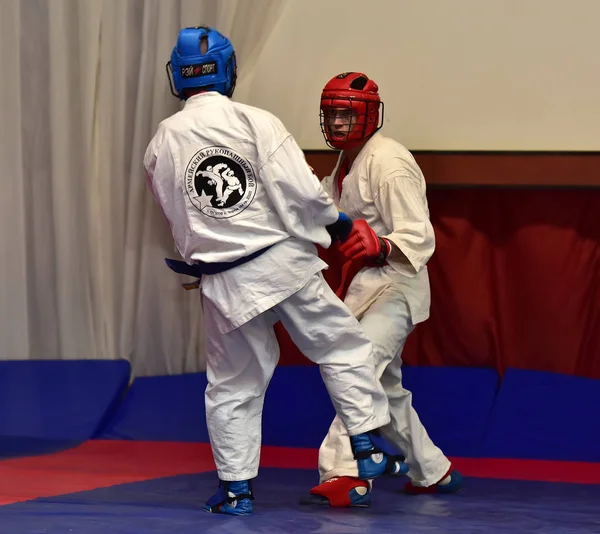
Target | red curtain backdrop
(515,282)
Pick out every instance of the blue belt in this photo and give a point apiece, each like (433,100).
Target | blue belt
(200,268)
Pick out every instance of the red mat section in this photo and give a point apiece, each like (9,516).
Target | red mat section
(97,464)
(539,470)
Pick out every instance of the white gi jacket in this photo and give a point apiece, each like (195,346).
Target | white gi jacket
(386,187)
(231,180)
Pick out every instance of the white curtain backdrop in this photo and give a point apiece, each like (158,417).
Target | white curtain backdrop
(81,242)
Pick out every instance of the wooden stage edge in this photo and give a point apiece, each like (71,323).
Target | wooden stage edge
(540,169)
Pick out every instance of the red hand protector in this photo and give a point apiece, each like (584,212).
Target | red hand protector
(362,243)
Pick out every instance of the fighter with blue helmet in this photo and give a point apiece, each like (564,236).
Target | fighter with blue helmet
(246,213)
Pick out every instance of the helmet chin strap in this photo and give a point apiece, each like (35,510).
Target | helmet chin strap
(352,144)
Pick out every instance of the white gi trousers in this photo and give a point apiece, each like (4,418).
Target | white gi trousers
(387,324)
(240,365)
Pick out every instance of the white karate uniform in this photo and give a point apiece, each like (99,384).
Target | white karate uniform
(386,187)
(277,201)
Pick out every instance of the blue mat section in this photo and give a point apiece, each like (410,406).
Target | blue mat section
(297,410)
(161,408)
(174,505)
(48,405)
(51,405)
(454,404)
(545,416)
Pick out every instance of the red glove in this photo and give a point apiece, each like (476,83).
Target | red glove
(365,244)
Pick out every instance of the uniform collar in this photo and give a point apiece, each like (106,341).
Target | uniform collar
(202,99)
(364,151)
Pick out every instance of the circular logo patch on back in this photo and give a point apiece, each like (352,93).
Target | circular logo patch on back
(220,182)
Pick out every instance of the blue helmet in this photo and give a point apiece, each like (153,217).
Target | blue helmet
(203,58)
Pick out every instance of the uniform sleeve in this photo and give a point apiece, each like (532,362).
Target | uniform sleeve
(150,162)
(151,156)
(327,184)
(160,174)
(401,201)
(297,194)
(328,181)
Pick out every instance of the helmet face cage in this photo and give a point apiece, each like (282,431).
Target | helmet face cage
(347,122)
(231,72)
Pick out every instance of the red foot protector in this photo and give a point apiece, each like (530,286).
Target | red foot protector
(342,492)
(452,486)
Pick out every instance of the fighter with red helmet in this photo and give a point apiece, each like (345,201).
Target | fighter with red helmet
(378,183)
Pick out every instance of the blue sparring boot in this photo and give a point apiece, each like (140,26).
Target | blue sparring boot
(233,498)
(372,462)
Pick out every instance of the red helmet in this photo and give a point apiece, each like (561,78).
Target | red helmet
(350,110)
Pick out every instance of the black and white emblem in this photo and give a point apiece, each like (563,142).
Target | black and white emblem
(220,182)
